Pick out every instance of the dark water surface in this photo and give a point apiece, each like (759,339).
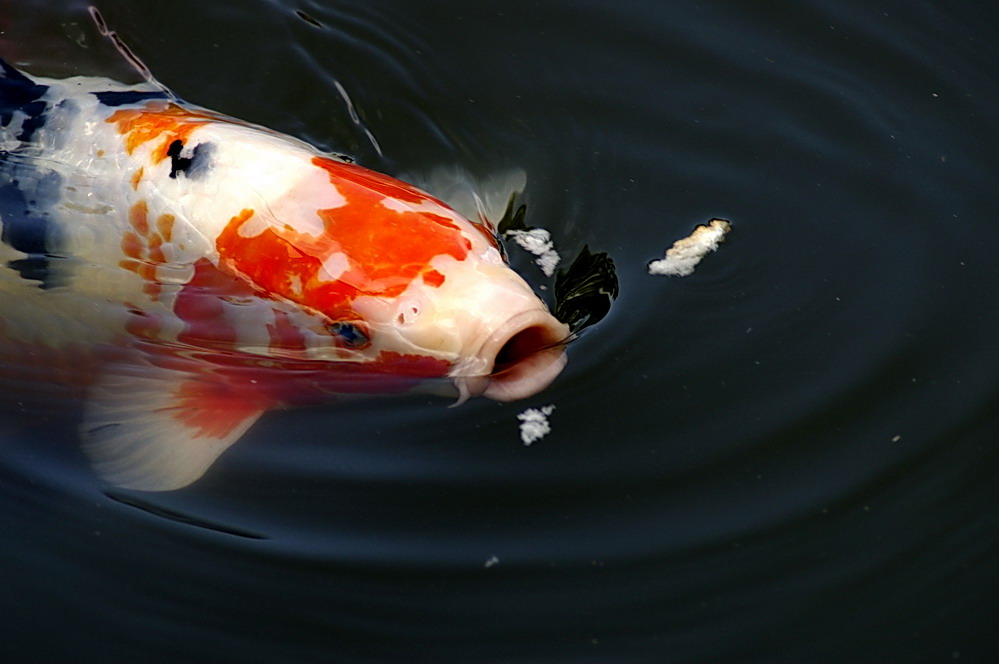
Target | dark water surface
(790,456)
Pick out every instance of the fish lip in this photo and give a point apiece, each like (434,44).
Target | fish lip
(535,367)
(528,377)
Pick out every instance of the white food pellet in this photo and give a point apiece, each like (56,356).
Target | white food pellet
(685,254)
(534,423)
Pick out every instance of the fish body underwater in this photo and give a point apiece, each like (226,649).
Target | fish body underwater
(181,272)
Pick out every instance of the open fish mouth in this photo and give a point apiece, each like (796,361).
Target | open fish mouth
(516,360)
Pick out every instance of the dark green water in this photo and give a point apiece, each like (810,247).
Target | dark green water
(790,456)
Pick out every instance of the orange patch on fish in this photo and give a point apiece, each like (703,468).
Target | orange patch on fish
(383,249)
(131,245)
(211,409)
(433,278)
(363,178)
(137,177)
(144,247)
(411,365)
(158,118)
(138,216)
(164,226)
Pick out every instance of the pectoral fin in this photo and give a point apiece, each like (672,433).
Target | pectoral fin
(161,429)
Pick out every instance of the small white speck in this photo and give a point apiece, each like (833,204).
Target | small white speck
(492,561)
(534,423)
(895,439)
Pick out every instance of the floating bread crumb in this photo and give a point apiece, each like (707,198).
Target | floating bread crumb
(685,254)
(538,241)
(534,423)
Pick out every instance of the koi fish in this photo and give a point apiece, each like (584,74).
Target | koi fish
(182,272)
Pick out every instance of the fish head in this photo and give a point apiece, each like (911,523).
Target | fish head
(396,280)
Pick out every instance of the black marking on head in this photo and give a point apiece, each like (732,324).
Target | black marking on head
(193,166)
(123,97)
(20,93)
(24,195)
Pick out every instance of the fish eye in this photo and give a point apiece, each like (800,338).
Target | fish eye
(349,334)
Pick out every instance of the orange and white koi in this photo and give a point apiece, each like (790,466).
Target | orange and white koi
(184,272)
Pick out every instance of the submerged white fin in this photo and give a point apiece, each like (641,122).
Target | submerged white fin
(160,429)
(482,199)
